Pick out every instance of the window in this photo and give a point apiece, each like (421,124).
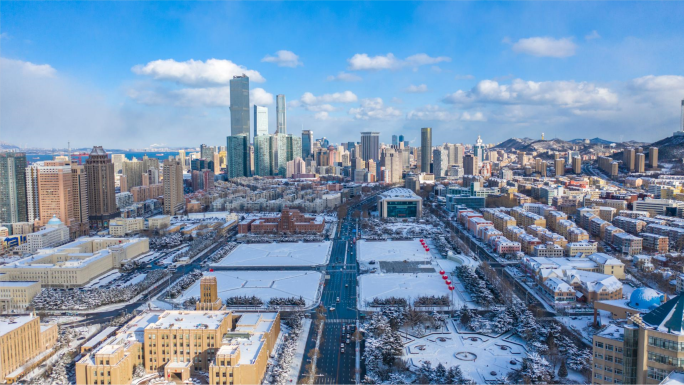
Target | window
(655,373)
(609,358)
(609,347)
(618,360)
(598,366)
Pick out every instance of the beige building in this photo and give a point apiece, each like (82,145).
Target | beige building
(22,339)
(76,263)
(119,227)
(233,348)
(158,222)
(17,296)
(55,194)
(53,234)
(174,199)
(645,351)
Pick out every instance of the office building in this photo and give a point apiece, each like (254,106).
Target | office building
(262,155)
(260,120)
(228,347)
(55,192)
(370,146)
(289,147)
(80,196)
(478,150)
(100,177)
(13,198)
(391,161)
(281,114)
(456,153)
(395,140)
(174,199)
(425,149)
(238,156)
(653,157)
(400,203)
(239,106)
(22,340)
(307,143)
(53,234)
(440,162)
(471,165)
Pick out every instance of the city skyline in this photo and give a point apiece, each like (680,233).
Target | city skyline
(584,74)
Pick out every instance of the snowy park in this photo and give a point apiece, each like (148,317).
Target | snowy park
(265,285)
(300,254)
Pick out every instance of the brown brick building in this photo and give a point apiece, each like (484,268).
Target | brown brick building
(289,221)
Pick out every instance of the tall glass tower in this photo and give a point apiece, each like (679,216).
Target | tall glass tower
(307,142)
(239,106)
(13,206)
(370,146)
(281,114)
(425,149)
(260,121)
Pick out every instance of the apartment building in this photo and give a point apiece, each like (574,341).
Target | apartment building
(22,339)
(655,242)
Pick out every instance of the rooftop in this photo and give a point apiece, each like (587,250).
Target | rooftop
(399,192)
(173,319)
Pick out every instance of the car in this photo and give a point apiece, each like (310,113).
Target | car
(348,340)
(332,309)
(342,346)
(372,262)
(346,285)
(342,350)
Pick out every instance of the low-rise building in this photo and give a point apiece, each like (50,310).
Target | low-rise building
(627,243)
(289,221)
(54,233)
(159,222)
(655,242)
(119,227)
(400,203)
(581,248)
(22,340)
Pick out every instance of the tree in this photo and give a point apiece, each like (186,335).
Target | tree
(536,370)
(563,370)
(466,315)
(425,373)
(454,375)
(440,375)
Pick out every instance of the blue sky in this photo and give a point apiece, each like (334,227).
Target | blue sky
(133,74)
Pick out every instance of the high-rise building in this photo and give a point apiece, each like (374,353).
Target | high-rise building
(395,140)
(653,157)
(13,200)
(471,165)
(577,165)
(118,160)
(260,120)
(628,158)
(456,152)
(401,138)
(262,155)
(640,162)
(391,161)
(559,166)
(181,158)
(289,147)
(370,146)
(307,142)
(133,171)
(55,192)
(281,115)
(440,162)
(478,150)
(99,171)
(80,195)
(32,193)
(425,148)
(174,199)
(238,156)
(239,106)
(206,152)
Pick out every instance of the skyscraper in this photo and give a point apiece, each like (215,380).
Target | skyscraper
(206,152)
(425,148)
(471,165)
(79,193)
(653,157)
(559,166)
(401,138)
(395,140)
(13,205)
(281,114)
(100,188)
(640,163)
(440,162)
(370,146)
(262,155)
(628,158)
(237,147)
(174,200)
(307,141)
(55,189)
(478,150)
(32,192)
(289,147)
(260,120)
(239,105)
(456,152)
(577,165)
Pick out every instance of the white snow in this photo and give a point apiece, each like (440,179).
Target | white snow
(393,251)
(105,279)
(277,254)
(408,286)
(263,284)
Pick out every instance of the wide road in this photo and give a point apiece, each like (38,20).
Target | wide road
(333,365)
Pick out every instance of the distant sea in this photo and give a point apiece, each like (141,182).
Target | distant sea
(32,158)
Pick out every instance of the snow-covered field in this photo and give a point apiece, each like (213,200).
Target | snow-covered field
(277,254)
(408,286)
(490,360)
(392,251)
(263,284)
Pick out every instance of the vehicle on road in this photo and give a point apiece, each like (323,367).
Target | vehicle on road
(338,299)
(332,309)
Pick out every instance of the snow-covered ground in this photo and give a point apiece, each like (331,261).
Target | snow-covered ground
(583,324)
(263,284)
(105,279)
(277,254)
(485,354)
(392,251)
(410,287)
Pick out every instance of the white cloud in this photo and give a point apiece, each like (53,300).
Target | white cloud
(196,72)
(593,35)
(260,97)
(416,89)
(363,62)
(396,100)
(658,83)
(559,93)
(436,113)
(344,77)
(546,47)
(374,108)
(337,97)
(27,68)
(283,58)
(323,115)
(320,108)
